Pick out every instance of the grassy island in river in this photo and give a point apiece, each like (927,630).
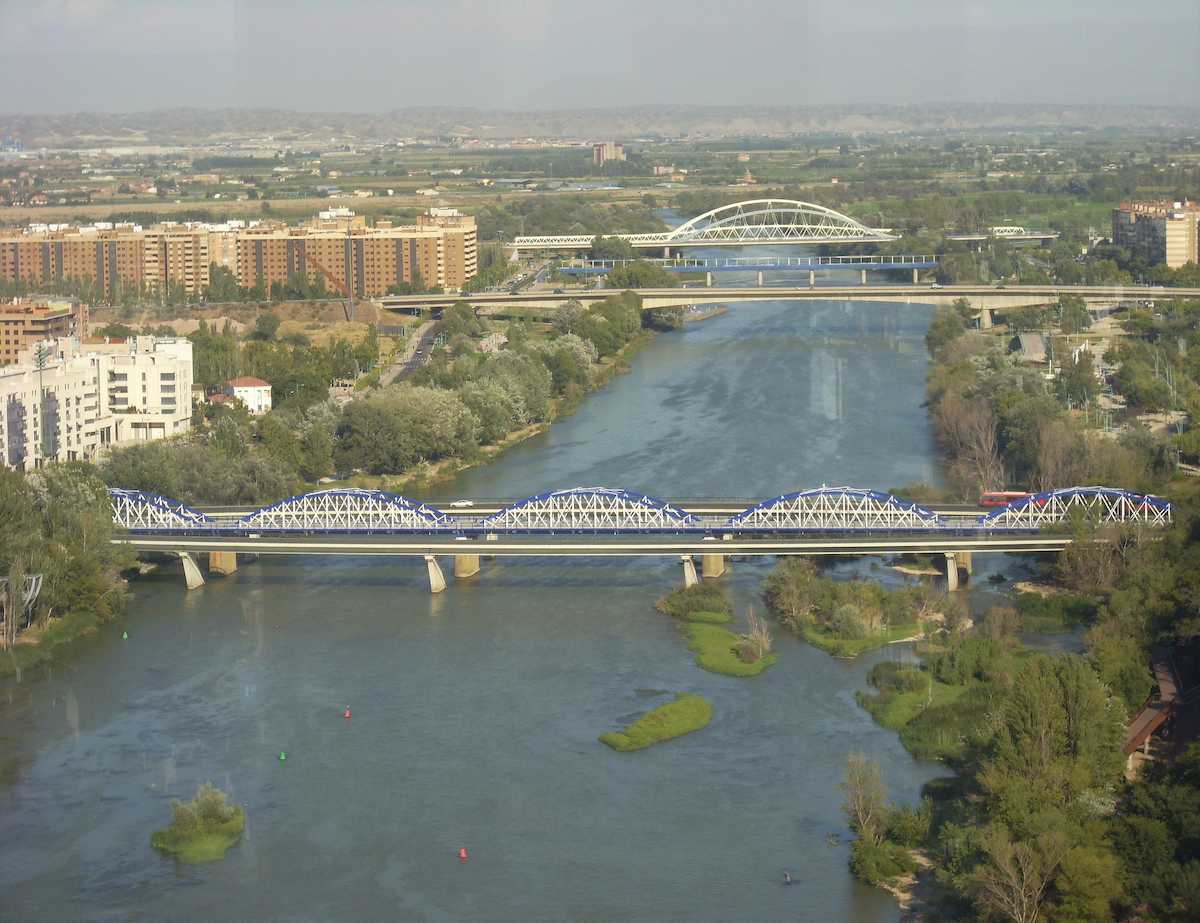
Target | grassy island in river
(686,713)
(201,830)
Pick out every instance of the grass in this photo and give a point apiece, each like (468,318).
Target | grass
(685,714)
(897,704)
(201,830)
(830,643)
(716,651)
(704,602)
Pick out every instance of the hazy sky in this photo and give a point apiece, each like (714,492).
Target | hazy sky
(370,55)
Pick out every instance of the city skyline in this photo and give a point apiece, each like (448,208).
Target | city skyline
(127,55)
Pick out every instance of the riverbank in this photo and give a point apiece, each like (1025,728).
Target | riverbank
(430,474)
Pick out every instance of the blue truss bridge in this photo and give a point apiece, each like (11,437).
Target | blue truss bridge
(600,521)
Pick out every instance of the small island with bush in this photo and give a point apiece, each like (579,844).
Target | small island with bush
(201,830)
(684,714)
(704,609)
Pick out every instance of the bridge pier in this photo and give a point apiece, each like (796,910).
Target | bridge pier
(222,563)
(760,278)
(812,278)
(466,565)
(437,582)
(914,276)
(712,565)
(864,277)
(708,280)
(965,562)
(191,571)
(689,571)
(951,572)
(666,253)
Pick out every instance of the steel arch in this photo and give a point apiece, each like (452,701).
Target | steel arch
(1106,504)
(347,509)
(774,219)
(835,508)
(140,510)
(590,509)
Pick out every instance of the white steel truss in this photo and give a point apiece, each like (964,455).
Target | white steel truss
(33,586)
(346,509)
(752,221)
(138,509)
(1091,504)
(587,509)
(838,508)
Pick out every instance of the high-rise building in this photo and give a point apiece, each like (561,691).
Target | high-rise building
(25,321)
(1159,232)
(65,400)
(605,151)
(108,258)
(175,256)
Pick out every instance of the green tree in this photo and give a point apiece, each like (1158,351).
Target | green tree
(612,248)
(316,453)
(266,325)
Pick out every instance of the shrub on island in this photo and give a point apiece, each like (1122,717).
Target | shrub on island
(686,713)
(201,830)
(721,651)
(700,603)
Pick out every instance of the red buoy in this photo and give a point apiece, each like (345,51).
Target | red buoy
(462,854)
(346,714)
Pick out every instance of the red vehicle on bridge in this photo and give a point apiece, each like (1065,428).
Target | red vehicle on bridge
(1001,497)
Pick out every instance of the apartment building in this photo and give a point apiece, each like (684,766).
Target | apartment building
(91,395)
(1159,232)
(440,249)
(606,151)
(25,321)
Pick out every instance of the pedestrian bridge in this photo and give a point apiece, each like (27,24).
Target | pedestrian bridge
(755,221)
(606,521)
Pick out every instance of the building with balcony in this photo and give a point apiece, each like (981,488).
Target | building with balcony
(25,321)
(87,396)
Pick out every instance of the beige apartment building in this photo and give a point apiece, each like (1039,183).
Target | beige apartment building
(1159,232)
(25,321)
(441,249)
(91,395)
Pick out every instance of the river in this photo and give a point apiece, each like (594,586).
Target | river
(475,713)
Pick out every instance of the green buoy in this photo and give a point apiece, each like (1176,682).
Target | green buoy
(124,636)
(282,756)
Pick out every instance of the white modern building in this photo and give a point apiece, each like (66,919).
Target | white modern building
(91,395)
(254,393)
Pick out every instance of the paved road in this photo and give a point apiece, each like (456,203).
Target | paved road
(409,360)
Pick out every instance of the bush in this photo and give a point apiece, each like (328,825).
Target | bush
(881,863)
(897,677)
(700,603)
(909,826)
(201,830)
(685,714)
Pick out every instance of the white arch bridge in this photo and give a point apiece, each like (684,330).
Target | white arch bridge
(755,221)
(597,521)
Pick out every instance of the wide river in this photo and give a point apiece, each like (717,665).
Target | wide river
(476,712)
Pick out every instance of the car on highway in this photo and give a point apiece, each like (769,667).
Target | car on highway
(935,285)
(558,291)
(462,504)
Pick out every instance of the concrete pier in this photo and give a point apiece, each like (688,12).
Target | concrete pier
(965,562)
(864,277)
(191,570)
(712,565)
(708,280)
(914,277)
(760,278)
(956,561)
(437,581)
(222,563)
(466,565)
(812,278)
(689,571)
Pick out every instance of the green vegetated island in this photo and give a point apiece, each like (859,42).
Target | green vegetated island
(201,830)
(684,714)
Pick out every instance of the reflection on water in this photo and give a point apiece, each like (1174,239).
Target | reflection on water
(476,712)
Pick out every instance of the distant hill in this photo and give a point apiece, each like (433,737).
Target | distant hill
(220,126)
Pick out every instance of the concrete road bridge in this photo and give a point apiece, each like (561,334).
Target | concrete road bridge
(980,296)
(755,221)
(762,264)
(596,521)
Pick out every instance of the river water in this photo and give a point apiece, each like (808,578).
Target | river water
(475,713)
